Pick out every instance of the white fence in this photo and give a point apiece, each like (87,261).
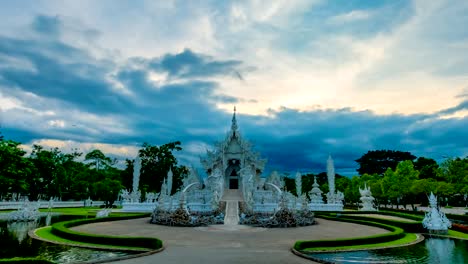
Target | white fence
(45,204)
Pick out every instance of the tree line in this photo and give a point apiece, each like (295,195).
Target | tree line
(399,178)
(394,177)
(51,173)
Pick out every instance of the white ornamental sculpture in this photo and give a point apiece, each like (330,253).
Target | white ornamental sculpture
(298,184)
(333,197)
(170,176)
(435,220)
(136,195)
(367,199)
(315,194)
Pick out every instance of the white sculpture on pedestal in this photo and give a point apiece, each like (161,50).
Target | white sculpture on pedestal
(435,220)
(333,197)
(136,195)
(315,194)
(298,184)
(367,199)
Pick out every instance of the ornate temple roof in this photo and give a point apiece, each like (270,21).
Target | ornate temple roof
(233,143)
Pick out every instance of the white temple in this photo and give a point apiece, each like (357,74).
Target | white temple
(233,169)
(234,160)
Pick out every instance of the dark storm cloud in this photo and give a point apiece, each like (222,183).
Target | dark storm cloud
(191,64)
(71,82)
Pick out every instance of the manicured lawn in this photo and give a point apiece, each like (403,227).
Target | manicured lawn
(408,238)
(45,233)
(73,211)
(457,234)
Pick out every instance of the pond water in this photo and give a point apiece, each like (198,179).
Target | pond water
(430,251)
(15,242)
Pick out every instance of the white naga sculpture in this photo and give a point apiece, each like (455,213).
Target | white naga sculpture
(435,220)
(367,199)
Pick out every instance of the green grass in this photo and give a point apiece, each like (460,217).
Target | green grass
(46,233)
(408,238)
(73,211)
(457,234)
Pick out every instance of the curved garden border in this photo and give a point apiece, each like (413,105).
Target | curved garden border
(116,243)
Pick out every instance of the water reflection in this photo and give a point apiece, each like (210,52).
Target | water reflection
(432,250)
(15,242)
(20,229)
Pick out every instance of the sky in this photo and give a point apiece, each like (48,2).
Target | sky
(309,78)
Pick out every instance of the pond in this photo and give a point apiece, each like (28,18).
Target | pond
(15,242)
(431,250)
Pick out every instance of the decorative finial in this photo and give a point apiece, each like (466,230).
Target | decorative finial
(234,121)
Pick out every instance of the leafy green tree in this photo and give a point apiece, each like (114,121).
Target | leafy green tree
(378,161)
(48,172)
(107,190)
(455,171)
(352,192)
(155,164)
(14,168)
(127,174)
(427,168)
(397,184)
(97,159)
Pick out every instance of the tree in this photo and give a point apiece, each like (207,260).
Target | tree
(14,168)
(98,159)
(378,161)
(155,164)
(427,168)
(127,174)
(107,190)
(397,184)
(48,172)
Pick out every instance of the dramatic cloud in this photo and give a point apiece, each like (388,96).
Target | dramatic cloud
(309,78)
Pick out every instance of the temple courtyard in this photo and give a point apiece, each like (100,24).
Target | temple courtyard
(225,243)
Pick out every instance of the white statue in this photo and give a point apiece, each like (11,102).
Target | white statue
(367,199)
(435,220)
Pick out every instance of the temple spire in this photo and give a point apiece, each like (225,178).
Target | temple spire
(234,121)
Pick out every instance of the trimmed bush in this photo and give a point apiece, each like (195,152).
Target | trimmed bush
(410,227)
(460,228)
(62,230)
(26,261)
(396,233)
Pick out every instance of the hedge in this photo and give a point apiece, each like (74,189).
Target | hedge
(61,229)
(26,261)
(396,233)
(410,227)
(456,217)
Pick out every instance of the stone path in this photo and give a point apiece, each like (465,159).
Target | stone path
(227,244)
(232,213)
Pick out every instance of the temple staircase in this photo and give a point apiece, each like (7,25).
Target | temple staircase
(232,199)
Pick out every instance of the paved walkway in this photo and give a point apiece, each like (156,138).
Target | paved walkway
(226,244)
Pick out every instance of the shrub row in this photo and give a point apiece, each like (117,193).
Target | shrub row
(460,228)
(396,233)
(26,261)
(391,213)
(410,227)
(453,217)
(61,229)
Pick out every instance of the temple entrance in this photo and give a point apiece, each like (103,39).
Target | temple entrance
(233,180)
(232,174)
(233,183)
